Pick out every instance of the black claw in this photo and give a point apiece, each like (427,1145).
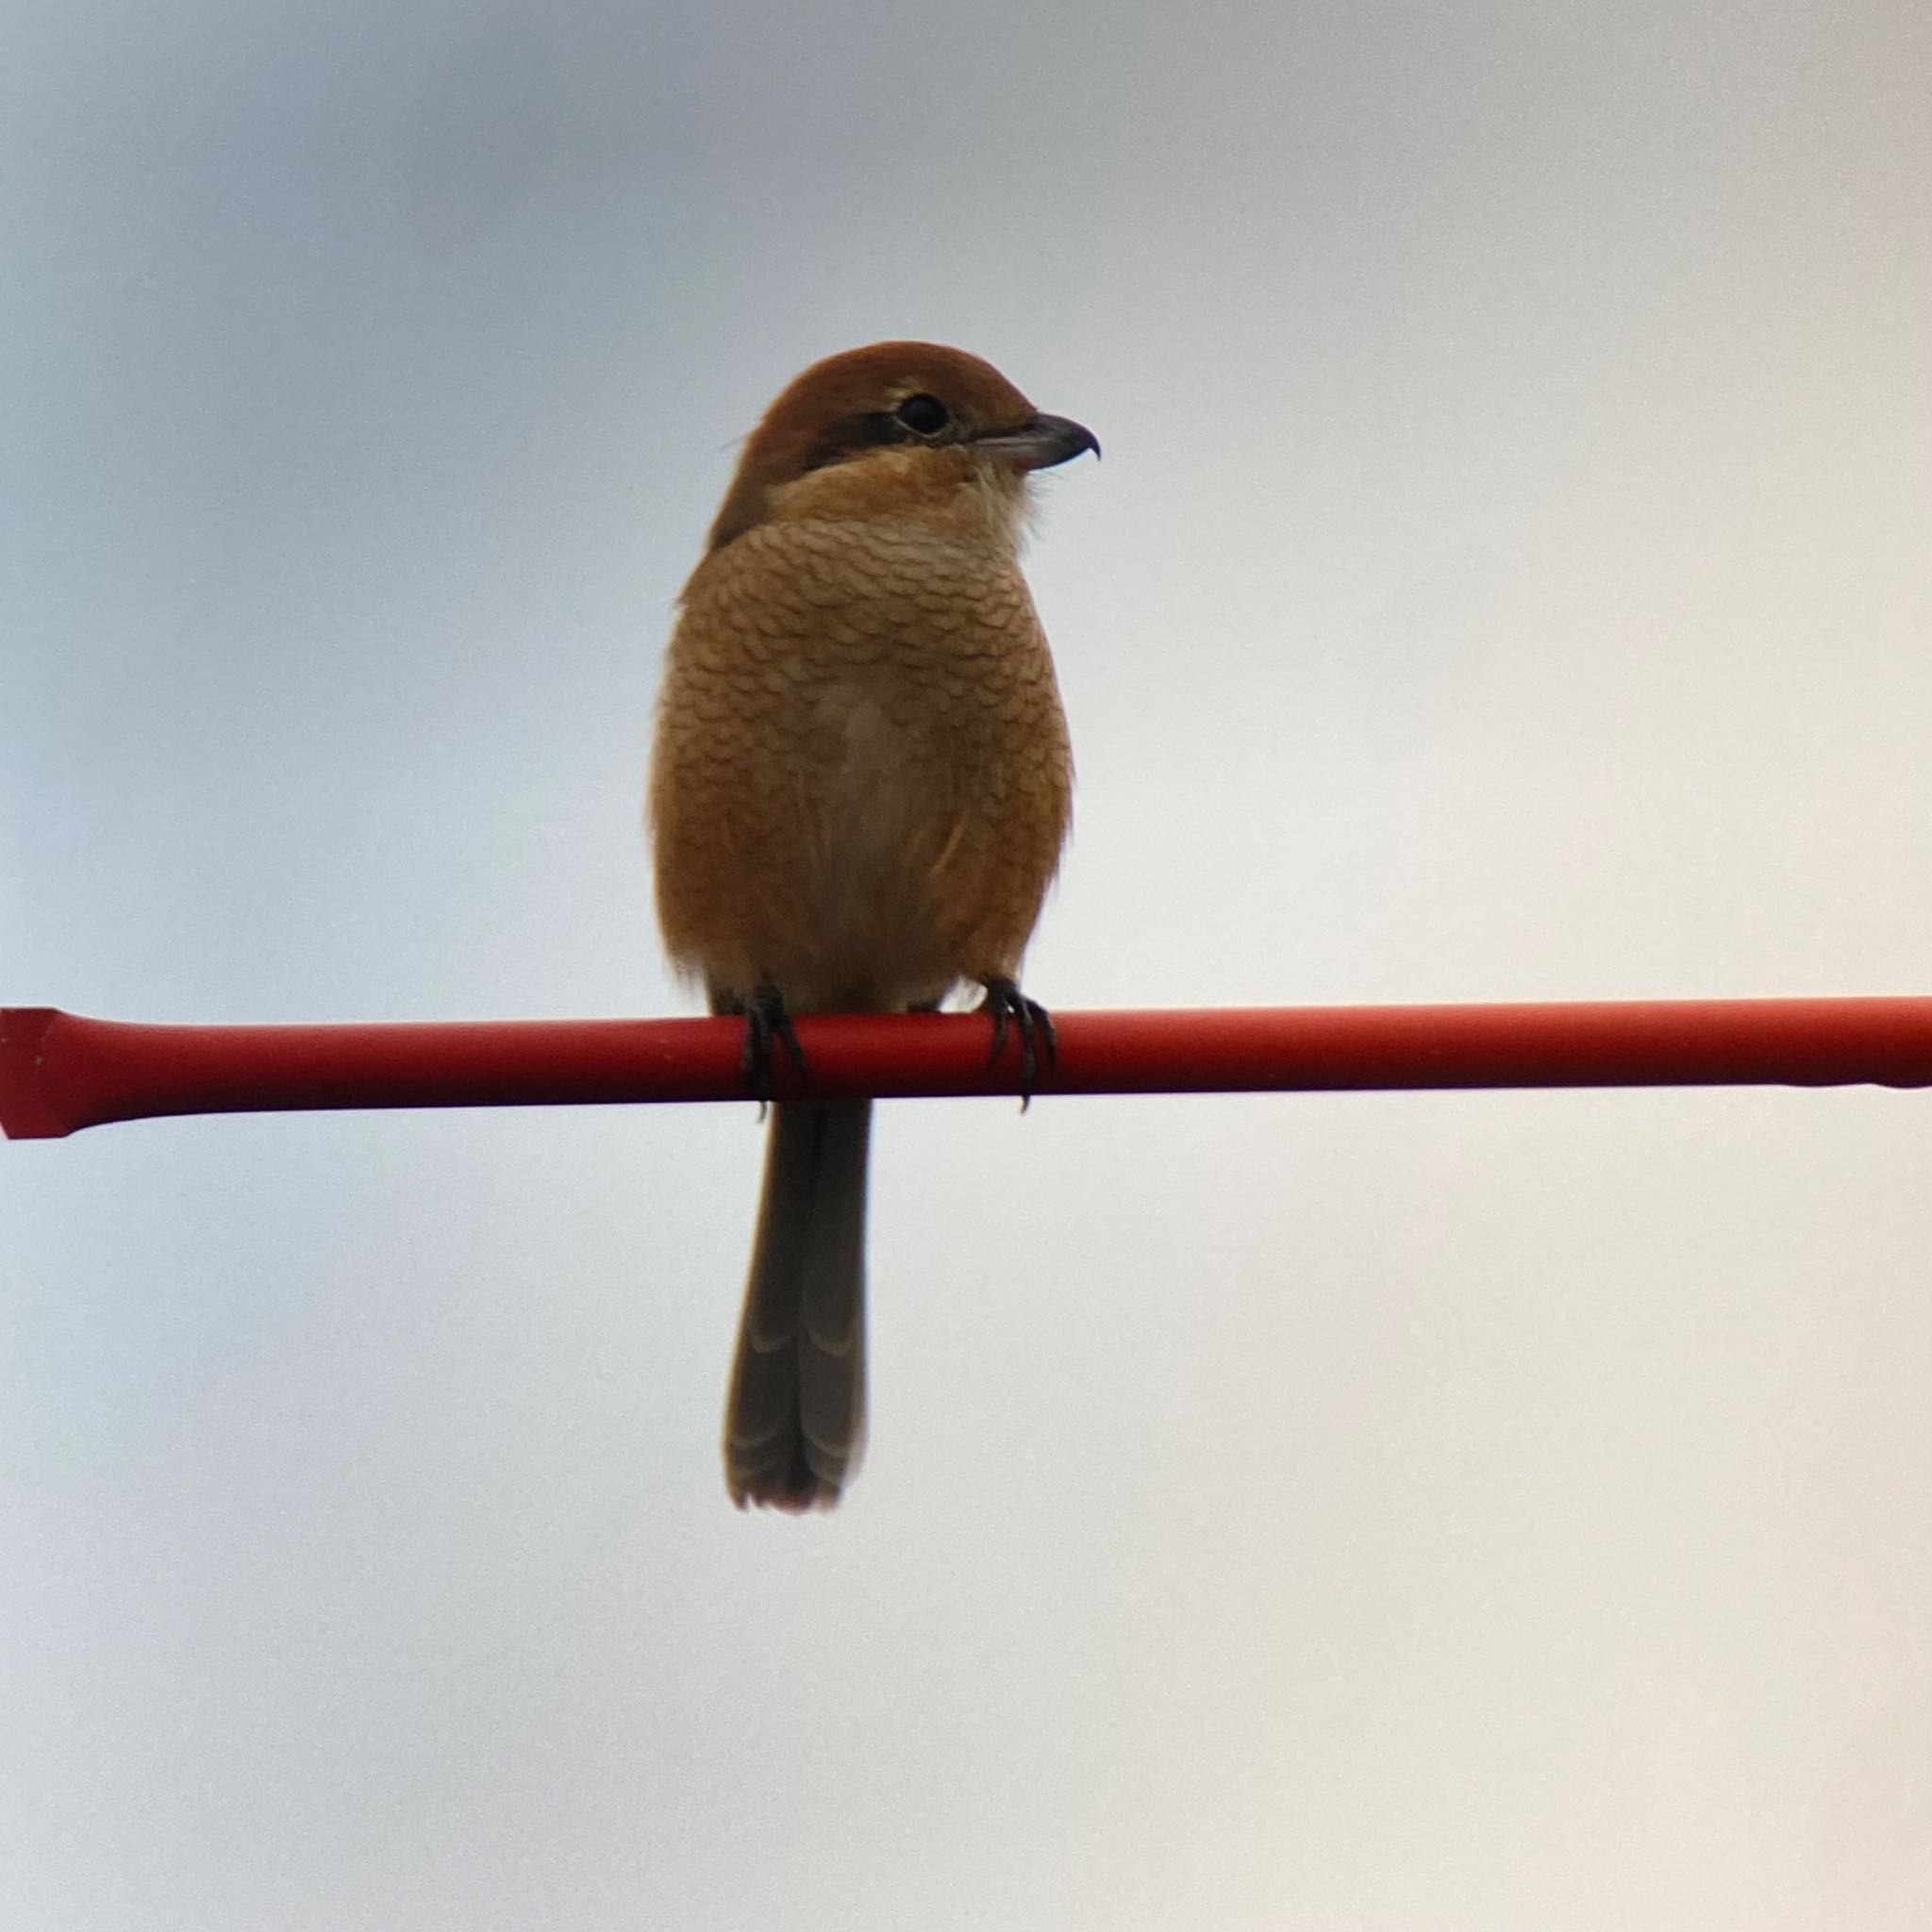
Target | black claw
(766,1021)
(1039,1049)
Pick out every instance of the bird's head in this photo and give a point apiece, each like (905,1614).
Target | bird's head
(893,429)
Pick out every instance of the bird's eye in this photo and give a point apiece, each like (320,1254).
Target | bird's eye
(923,415)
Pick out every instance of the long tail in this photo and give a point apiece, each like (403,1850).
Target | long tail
(794,1422)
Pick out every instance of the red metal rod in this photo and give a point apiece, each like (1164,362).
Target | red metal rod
(59,1071)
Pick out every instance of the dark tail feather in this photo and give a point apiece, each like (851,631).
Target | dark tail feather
(794,1422)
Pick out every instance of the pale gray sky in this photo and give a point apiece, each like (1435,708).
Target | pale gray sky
(1508,578)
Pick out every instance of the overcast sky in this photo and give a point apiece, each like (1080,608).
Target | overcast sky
(1508,578)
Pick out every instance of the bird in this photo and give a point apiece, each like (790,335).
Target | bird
(861,786)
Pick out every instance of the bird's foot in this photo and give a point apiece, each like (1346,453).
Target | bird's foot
(1012,1010)
(767,1026)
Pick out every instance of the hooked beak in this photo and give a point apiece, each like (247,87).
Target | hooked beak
(1041,443)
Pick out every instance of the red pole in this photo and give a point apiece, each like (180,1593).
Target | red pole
(59,1071)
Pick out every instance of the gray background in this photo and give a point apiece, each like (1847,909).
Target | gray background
(1508,578)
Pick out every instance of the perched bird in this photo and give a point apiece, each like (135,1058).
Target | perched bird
(860,788)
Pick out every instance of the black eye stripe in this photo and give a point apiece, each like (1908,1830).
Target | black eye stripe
(915,419)
(847,438)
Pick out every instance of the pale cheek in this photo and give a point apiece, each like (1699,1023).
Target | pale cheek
(980,499)
(1006,502)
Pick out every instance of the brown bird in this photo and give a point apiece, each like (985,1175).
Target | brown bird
(859,789)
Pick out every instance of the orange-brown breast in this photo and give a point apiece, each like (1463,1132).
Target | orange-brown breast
(861,781)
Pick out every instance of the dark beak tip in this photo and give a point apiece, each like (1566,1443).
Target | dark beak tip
(1043,444)
(1065,438)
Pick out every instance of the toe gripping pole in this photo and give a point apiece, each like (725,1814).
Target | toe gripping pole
(59,1071)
